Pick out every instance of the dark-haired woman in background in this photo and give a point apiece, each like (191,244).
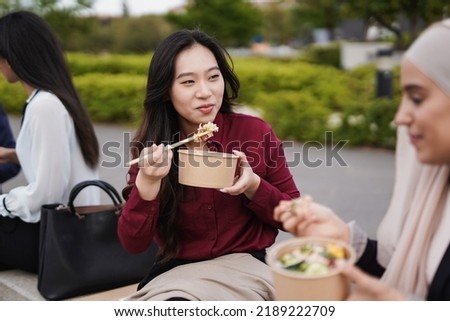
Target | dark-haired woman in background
(212,241)
(56,146)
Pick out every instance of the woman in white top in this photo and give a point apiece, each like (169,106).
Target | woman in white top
(56,146)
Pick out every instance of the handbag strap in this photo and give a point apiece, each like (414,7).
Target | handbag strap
(108,188)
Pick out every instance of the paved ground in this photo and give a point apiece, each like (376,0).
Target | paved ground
(359,189)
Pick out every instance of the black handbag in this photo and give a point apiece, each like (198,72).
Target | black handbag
(79,249)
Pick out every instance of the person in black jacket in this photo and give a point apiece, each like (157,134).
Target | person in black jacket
(9,166)
(411,257)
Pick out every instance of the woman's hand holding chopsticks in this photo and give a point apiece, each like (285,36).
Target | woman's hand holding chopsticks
(154,165)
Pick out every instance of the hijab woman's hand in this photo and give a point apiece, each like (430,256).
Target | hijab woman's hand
(369,288)
(303,217)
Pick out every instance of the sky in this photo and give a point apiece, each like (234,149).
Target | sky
(136,7)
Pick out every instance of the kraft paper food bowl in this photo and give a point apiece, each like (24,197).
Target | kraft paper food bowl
(206,169)
(296,286)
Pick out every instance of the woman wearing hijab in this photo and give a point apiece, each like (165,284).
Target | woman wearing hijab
(411,257)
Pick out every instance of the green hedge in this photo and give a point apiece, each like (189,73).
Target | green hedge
(303,101)
(112,98)
(329,54)
(300,100)
(81,63)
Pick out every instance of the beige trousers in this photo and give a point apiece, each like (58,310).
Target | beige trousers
(232,277)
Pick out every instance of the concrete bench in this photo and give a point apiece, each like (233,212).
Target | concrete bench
(17,285)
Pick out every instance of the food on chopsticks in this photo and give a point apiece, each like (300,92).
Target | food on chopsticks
(205,131)
(313,259)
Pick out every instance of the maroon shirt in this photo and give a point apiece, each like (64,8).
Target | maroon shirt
(214,223)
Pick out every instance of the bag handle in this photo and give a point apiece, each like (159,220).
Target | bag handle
(108,188)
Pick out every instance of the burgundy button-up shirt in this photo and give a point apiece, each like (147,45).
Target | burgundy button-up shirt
(213,223)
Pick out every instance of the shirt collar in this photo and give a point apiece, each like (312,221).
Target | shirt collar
(34,93)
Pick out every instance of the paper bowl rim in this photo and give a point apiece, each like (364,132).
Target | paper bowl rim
(206,153)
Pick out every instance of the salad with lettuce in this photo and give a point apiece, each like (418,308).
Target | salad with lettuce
(312,259)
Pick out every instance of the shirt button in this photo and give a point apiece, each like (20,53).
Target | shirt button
(210,207)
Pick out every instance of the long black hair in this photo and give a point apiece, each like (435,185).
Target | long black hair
(35,55)
(160,122)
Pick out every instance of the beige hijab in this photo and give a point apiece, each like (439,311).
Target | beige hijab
(415,231)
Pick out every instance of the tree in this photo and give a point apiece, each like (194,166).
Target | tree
(43,6)
(9,5)
(278,25)
(319,14)
(233,23)
(386,13)
(423,12)
(63,20)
